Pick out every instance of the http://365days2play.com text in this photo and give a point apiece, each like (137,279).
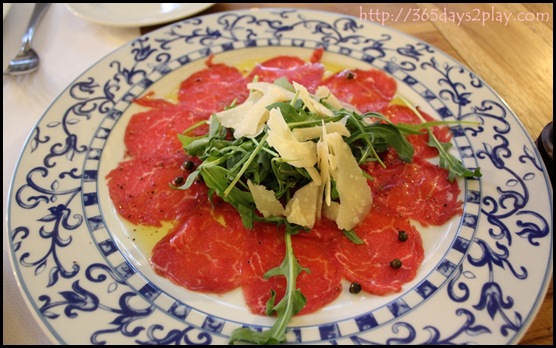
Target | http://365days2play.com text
(445,15)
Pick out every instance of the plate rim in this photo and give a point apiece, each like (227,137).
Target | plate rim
(545,284)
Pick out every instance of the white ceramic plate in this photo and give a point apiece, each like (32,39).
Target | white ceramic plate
(137,14)
(484,274)
(6,9)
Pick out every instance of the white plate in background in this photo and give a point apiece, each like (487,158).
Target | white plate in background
(6,9)
(136,14)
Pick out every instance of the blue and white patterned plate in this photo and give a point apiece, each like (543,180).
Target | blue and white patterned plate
(484,275)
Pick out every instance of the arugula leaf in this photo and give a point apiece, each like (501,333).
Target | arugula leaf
(368,138)
(292,113)
(292,302)
(246,164)
(190,180)
(285,84)
(448,161)
(385,136)
(353,237)
(418,128)
(215,178)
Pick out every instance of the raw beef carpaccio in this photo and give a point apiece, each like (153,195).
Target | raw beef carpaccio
(208,249)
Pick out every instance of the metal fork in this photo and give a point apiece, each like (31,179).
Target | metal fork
(27,60)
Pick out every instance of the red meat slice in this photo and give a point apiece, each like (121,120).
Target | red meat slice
(212,89)
(267,246)
(139,187)
(292,68)
(403,114)
(367,90)
(369,263)
(205,252)
(320,287)
(323,284)
(140,191)
(154,132)
(418,190)
(324,231)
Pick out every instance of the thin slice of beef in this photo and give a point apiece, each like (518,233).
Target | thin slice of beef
(367,90)
(204,252)
(212,89)
(418,190)
(141,193)
(369,263)
(292,68)
(320,287)
(154,133)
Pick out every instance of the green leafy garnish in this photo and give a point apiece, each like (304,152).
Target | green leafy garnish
(447,161)
(353,237)
(215,178)
(292,302)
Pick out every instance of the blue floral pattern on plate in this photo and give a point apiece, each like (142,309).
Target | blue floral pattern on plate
(483,286)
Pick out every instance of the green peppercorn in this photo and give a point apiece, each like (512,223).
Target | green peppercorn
(402,236)
(396,263)
(355,288)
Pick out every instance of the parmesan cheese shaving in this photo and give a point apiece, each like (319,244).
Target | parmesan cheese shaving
(308,133)
(233,118)
(355,194)
(314,174)
(324,166)
(311,103)
(331,211)
(324,93)
(248,119)
(298,154)
(265,201)
(302,208)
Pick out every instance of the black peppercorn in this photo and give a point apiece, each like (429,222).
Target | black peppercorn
(396,263)
(355,288)
(178,181)
(188,165)
(402,236)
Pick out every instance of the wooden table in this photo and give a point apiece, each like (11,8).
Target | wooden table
(513,56)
